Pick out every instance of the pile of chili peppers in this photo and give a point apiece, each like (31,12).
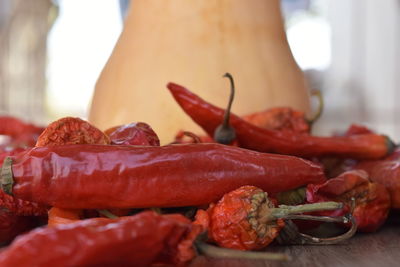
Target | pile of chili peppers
(77,196)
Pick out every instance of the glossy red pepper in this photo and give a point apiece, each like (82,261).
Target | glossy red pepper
(372,200)
(385,172)
(104,176)
(138,240)
(17,206)
(209,117)
(137,134)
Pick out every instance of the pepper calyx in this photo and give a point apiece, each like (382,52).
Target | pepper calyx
(6,176)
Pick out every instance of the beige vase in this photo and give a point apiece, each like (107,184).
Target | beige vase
(193,43)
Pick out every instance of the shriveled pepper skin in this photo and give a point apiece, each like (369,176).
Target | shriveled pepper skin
(281,119)
(138,240)
(209,117)
(137,134)
(385,172)
(230,225)
(104,176)
(372,200)
(69,130)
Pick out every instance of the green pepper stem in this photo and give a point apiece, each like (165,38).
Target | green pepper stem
(314,218)
(107,214)
(217,252)
(283,211)
(6,176)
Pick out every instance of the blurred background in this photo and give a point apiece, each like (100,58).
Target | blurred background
(52,52)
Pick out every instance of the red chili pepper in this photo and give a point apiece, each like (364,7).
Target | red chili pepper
(281,119)
(17,206)
(246,219)
(138,134)
(385,172)
(70,130)
(59,216)
(22,133)
(104,176)
(11,225)
(139,240)
(372,200)
(73,131)
(209,117)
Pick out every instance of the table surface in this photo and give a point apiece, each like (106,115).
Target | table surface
(374,249)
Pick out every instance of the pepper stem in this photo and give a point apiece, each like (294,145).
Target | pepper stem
(107,214)
(290,234)
(217,252)
(6,176)
(225,134)
(284,211)
(318,113)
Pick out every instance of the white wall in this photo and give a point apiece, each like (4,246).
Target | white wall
(363,82)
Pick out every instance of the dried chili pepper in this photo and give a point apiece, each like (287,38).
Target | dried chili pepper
(366,146)
(246,219)
(104,176)
(280,119)
(64,216)
(372,200)
(17,206)
(22,133)
(385,172)
(11,225)
(138,134)
(70,130)
(138,240)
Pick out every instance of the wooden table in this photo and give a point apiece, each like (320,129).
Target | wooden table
(378,249)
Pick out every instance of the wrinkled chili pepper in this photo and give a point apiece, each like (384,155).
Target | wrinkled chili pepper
(22,133)
(334,166)
(104,176)
(138,240)
(246,219)
(280,119)
(138,134)
(385,172)
(372,200)
(11,225)
(209,117)
(70,130)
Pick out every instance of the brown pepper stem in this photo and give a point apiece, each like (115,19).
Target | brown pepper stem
(318,113)
(195,138)
(290,235)
(225,134)
(307,239)
(6,176)
(217,252)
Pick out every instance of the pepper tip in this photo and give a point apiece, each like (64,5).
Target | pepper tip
(390,145)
